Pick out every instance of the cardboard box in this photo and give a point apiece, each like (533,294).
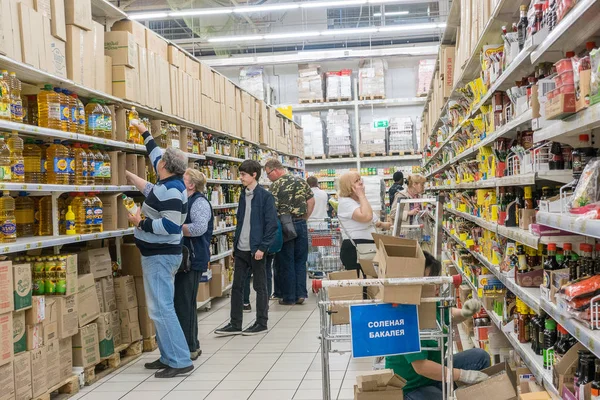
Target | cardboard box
(140,292)
(85,346)
(29,45)
(13,31)
(115,323)
(125,83)
(68,316)
(19,332)
(135,28)
(560,106)
(500,386)
(7,302)
(6,31)
(122,48)
(79,13)
(125,292)
(130,325)
(58,19)
(38,371)
(564,370)
(80,56)
(156,44)
(22,376)
(96,262)
(147,327)
(108,77)
(131,260)
(65,357)
(56,52)
(71,275)
(7,382)
(219,279)
(51,324)
(142,70)
(100,295)
(341,314)
(52,363)
(35,336)
(22,286)
(105,335)
(174,56)
(87,301)
(379,385)
(37,312)
(203,291)
(112,216)
(402,258)
(99,81)
(108,289)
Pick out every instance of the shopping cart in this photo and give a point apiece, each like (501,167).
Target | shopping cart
(425,226)
(331,333)
(324,242)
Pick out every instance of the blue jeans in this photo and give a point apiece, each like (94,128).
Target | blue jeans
(159,282)
(472,360)
(292,265)
(269,266)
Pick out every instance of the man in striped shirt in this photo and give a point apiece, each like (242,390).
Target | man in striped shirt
(158,236)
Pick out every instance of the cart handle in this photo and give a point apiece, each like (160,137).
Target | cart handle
(455,280)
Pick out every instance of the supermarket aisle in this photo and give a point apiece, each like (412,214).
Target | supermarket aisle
(285,364)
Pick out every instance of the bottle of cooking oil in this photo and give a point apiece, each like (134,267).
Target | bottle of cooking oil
(91,164)
(17,163)
(98,214)
(81,165)
(72,105)
(49,108)
(43,160)
(8,223)
(50,275)
(24,214)
(30,115)
(70,221)
(98,165)
(61,275)
(79,117)
(64,109)
(38,277)
(94,114)
(57,165)
(45,216)
(4,99)
(89,213)
(108,122)
(32,162)
(133,118)
(16,104)
(106,172)
(70,162)
(79,209)
(129,204)
(174,136)
(5,165)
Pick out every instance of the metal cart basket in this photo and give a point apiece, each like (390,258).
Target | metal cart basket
(331,333)
(324,243)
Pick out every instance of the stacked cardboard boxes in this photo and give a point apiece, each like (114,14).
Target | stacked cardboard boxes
(310,83)
(339,138)
(253,80)
(312,125)
(132,266)
(371,78)
(372,139)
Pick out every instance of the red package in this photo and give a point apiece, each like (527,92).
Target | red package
(582,288)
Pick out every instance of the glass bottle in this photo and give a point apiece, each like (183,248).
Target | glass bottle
(522,27)
(582,155)
(549,342)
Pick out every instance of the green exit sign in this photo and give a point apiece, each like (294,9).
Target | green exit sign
(381,123)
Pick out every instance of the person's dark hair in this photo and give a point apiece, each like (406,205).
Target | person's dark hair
(434,266)
(251,167)
(312,181)
(399,177)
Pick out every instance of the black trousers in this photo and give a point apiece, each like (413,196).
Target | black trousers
(348,254)
(186,290)
(244,265)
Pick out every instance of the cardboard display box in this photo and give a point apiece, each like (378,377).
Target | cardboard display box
(125,292)
(6,338)
(37,312)
(105,335)
(147,327)
(88,307)
(35,336)
(38,371)
(7,382)
(68,316)
(203,291)
(52,363)
(96,262)
(131,260)
(85,346)
(130,325)
(115,323)
(501,385)
(22,376)
(22,286)
(7,302)
(65,357)
(50,322)
(379,385)
(19,332)
(108,290)
(341,314)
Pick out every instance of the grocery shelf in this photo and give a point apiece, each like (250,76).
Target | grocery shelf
(39,242)
(222,206)
(452,22)
(394,102)
(224,230)
(587,337)
(563,176)
(222,157)
(567,130)
(337,160)
(104,9)
(35,187)
(293,167)
(570,223)
(225,181)
(363,159)
(220,256)
(577,26)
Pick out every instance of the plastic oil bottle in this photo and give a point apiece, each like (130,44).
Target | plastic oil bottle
(17,163)
(8,223)
(70,162)
(5,170)
(16,104)
(81,165)
(70,221)
(50,275)
(129,204)
(44,160)
(108,122)
(44,216)
(94,114)
(30,115)
(78,205)
(78,114)
(72,110)
(98,165)
(98,213)
(57,166)
(25,215)
(4,99)
(61,275)
(91,176)
(32,162)
(133,118)
(49,108)
(39,288)
(63,110)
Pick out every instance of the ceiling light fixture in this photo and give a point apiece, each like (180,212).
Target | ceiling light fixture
(321,4)
(192,13)
(292,35)
(355,31)
(234,39)
(411,27)
(391,14)
(145,16)
(256,9)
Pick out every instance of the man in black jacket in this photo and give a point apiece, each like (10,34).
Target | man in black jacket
(255,232)
(398,186)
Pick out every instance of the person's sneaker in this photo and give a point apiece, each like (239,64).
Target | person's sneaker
(247,308)
(300,300)
(228,330)
(255,330)
(195,354)
(156,365)
(285,303)
(173,372)
(275,297)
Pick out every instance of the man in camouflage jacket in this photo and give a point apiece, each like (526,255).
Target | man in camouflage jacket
(292,196)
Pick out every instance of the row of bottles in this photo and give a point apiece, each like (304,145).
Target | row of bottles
(218,169)
(49,274)
(11,105)
(223,194)
(225,218)
(582,265)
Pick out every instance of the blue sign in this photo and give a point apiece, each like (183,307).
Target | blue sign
(384,330)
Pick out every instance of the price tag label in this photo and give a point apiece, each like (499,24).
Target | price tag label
(27,246)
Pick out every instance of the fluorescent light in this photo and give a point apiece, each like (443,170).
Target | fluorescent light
(318,4)
(356,31)
(292,35)
(149,15)
(191,13)
(234,39)
(412,27)
(391,14)
(275,7)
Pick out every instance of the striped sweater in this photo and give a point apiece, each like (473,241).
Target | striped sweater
(165,209)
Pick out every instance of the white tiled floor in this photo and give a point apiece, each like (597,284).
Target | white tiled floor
(284,364)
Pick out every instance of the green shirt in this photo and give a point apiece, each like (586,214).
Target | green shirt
(291,194)
(402,365)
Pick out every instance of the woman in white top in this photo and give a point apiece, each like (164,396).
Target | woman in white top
(356,218)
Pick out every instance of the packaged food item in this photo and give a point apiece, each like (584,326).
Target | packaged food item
(586,192)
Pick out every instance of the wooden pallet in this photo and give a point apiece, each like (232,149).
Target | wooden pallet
(123,355)
(340,156)
(62,390)
(323,157)
(402,152)
(380,97)
(376,154)
(338,99)
(310,101)
(149,344)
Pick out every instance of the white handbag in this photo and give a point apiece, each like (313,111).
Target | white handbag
(364,251)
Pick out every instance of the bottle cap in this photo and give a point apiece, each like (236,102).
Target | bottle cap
(584,138)
(570,54)
(561,329)
(590,46)
(567,246)
(550,324)
(552,246)
(528,192)
(47,87)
